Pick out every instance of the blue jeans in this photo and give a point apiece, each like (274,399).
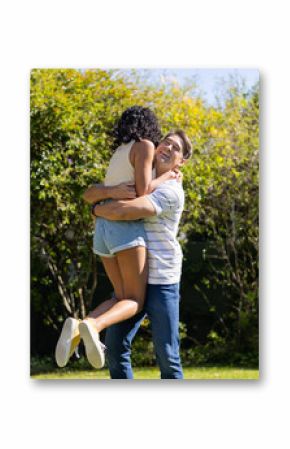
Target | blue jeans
(162,308)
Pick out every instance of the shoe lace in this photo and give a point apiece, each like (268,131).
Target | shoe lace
(77,352)
(104,347)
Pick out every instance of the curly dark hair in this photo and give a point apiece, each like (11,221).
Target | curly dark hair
(136,123)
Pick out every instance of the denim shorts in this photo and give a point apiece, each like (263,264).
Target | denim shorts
(113,236)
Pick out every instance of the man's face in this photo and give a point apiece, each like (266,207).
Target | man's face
(169,153)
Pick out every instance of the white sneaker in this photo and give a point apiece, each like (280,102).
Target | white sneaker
(94,347)
(67,342)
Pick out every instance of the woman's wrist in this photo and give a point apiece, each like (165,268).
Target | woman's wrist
(93,209)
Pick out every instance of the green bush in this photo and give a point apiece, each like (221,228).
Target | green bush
(72,113)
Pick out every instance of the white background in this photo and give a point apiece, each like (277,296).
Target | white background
(207,414)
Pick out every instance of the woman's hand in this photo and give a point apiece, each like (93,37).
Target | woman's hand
(179,174)
(167,175)
(172,174)
(123,191)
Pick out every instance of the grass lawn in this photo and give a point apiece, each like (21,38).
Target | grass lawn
(153,373)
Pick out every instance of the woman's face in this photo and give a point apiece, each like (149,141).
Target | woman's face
(169,152)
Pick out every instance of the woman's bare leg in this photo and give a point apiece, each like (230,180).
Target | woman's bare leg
(113,272)
(132,265)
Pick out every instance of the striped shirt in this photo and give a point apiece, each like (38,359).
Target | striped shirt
(164,251)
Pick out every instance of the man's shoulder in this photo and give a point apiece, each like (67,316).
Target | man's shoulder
(171,184)
(169,196)
(171,188)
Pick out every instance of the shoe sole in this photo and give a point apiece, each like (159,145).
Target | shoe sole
(94,352)
(63,347)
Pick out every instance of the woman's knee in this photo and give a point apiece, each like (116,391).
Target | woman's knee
(138,304)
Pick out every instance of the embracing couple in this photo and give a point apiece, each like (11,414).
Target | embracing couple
(138,209)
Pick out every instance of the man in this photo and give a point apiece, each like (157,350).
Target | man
(161,211)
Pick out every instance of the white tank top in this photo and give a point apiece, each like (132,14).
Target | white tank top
(120,168)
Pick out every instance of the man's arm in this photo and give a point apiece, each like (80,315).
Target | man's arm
(126,210)
(99,192)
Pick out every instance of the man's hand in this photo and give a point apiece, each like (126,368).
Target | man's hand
(123,191)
